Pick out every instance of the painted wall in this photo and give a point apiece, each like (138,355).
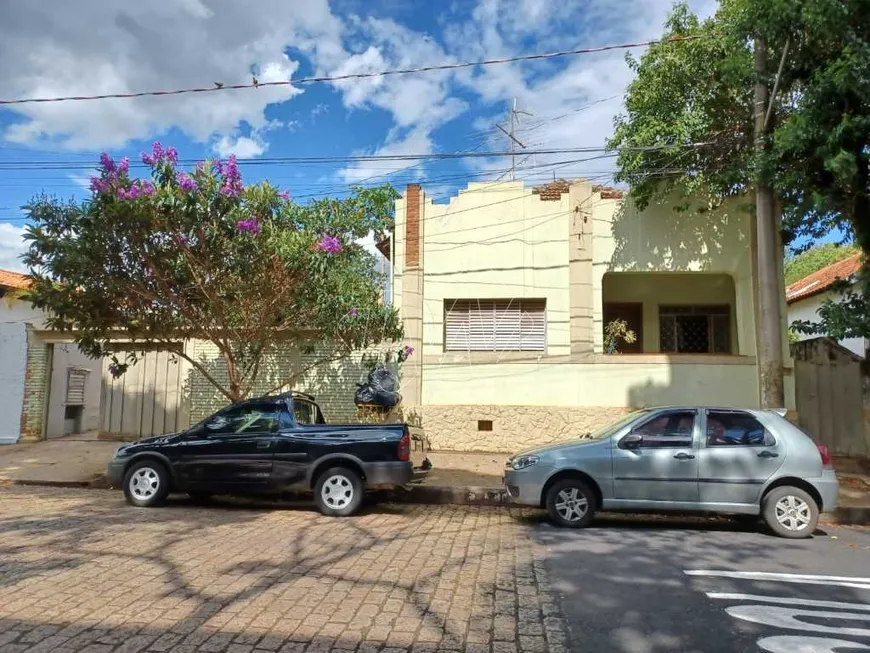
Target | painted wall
(807,309)
(660,239)
(492,241)
(66,356)
(590,384)
(13,366)
(654,289)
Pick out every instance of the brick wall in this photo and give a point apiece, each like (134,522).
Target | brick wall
(412,226)
(332,384)
(36,382)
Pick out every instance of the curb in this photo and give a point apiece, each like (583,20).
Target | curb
(446,495)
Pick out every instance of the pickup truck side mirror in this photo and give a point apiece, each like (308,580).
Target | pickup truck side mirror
(631,441)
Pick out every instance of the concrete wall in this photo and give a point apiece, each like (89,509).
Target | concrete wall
(13,367)
(807,309)
(64,357)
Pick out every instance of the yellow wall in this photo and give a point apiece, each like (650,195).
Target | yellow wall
(660,239)
(492,241)
(672,289)
(591,384)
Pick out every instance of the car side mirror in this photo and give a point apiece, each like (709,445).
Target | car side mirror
(631,441)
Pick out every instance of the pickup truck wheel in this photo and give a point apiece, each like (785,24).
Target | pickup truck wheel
(146,484)
(570,503)
(790,512)
(338,492)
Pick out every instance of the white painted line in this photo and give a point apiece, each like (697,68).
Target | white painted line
(784,600)
(804,644)
(806,579)
(792,619)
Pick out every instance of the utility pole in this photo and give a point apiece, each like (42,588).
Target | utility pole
(769,330)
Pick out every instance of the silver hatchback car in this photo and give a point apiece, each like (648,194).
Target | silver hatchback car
(686,459)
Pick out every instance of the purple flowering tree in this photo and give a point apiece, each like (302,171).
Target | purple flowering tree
(176,255)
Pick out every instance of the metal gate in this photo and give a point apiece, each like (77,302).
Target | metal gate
(829,395)
(148,399)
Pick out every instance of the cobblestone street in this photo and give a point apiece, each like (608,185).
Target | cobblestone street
(82,571)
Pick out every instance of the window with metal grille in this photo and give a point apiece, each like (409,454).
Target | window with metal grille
(76,382)
(495,325)
(695,329)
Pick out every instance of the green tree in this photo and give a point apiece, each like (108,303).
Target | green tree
(693,103)
(814,259)
(201,255)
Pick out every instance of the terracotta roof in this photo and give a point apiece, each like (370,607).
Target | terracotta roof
(14,280)
(553,191)
(821,280)
(608,192)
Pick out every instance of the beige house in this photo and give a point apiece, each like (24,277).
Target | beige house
(505,292)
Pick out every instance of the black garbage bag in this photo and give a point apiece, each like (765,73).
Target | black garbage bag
(379,390)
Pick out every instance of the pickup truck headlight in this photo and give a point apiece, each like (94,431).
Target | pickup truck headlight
(523,462)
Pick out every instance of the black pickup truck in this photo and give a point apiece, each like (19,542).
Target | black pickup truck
(267,445)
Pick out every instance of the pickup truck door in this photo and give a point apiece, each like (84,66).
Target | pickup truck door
(294,443)
(233,450)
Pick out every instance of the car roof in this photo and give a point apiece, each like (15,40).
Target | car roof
(754,411)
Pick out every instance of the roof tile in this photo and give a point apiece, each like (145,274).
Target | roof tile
(9,279)
(819,281)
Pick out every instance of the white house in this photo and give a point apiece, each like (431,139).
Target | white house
(806,296)
(72,387)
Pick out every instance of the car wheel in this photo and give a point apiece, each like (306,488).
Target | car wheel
(570,503)
(146,483)
(338,492)
(790,512)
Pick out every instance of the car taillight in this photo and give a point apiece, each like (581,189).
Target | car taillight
(405,447)
(825,454)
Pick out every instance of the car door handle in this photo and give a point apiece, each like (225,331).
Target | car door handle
(684,456)
(768,454)
(264,444)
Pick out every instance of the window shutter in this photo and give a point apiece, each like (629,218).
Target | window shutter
(76,382)
(495,325)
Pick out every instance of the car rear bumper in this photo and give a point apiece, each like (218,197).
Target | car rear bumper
(388,474)
(828,487)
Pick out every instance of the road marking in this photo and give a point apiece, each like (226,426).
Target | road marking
(783,600)
(803,644)
(771,615)
(806,579)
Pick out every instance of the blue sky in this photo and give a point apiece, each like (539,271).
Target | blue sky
(97,46)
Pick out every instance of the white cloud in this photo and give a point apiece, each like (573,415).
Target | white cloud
(416,141)
(12,246)
(87,47)
(242,146)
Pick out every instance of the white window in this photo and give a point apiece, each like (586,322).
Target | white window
(495,325)
(76,384)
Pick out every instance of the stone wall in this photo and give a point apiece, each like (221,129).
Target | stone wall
(456,428)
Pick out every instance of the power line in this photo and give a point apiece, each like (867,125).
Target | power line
(335,78)
(279,161)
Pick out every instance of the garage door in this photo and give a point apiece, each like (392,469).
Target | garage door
(148,399)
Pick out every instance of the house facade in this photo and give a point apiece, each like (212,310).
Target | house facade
(505,292)
(806,296)
(46,389)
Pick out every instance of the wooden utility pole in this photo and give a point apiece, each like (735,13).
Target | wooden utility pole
(769,347)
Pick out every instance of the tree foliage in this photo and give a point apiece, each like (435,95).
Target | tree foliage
(814,259)
(694,100)
(201,255)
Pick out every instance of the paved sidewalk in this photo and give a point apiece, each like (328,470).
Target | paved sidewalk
(83,572)
(73,460)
